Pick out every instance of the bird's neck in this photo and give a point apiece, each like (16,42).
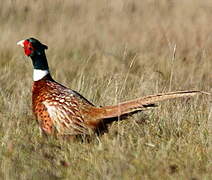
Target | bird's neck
(40,66)
(39,74)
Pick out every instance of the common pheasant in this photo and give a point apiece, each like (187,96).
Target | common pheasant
(65,112)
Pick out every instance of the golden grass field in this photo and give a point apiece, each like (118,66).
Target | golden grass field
(110,51)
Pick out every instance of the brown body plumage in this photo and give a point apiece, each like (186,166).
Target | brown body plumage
(62,111)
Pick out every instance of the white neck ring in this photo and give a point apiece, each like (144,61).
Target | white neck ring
(38,74)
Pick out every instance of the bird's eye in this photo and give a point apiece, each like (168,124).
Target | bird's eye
(30,49)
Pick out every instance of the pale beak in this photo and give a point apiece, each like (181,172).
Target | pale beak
(21,43)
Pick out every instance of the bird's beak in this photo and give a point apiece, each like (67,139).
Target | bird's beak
(21,43)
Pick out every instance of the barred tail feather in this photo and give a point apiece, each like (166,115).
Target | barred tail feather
(144,103)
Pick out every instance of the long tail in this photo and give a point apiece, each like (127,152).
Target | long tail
(144,103)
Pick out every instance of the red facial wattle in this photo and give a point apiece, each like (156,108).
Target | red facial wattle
(28,48)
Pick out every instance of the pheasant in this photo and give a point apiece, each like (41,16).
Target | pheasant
(64,112)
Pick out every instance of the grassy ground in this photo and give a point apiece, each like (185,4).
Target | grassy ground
(110,51)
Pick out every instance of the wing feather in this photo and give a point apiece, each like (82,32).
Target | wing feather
(65,119)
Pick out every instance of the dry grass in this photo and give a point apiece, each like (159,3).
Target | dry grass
(110,51)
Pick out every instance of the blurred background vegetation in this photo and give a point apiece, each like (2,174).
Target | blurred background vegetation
(110,51)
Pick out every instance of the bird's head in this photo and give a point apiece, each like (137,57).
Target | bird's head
(32,47)
(36,51)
